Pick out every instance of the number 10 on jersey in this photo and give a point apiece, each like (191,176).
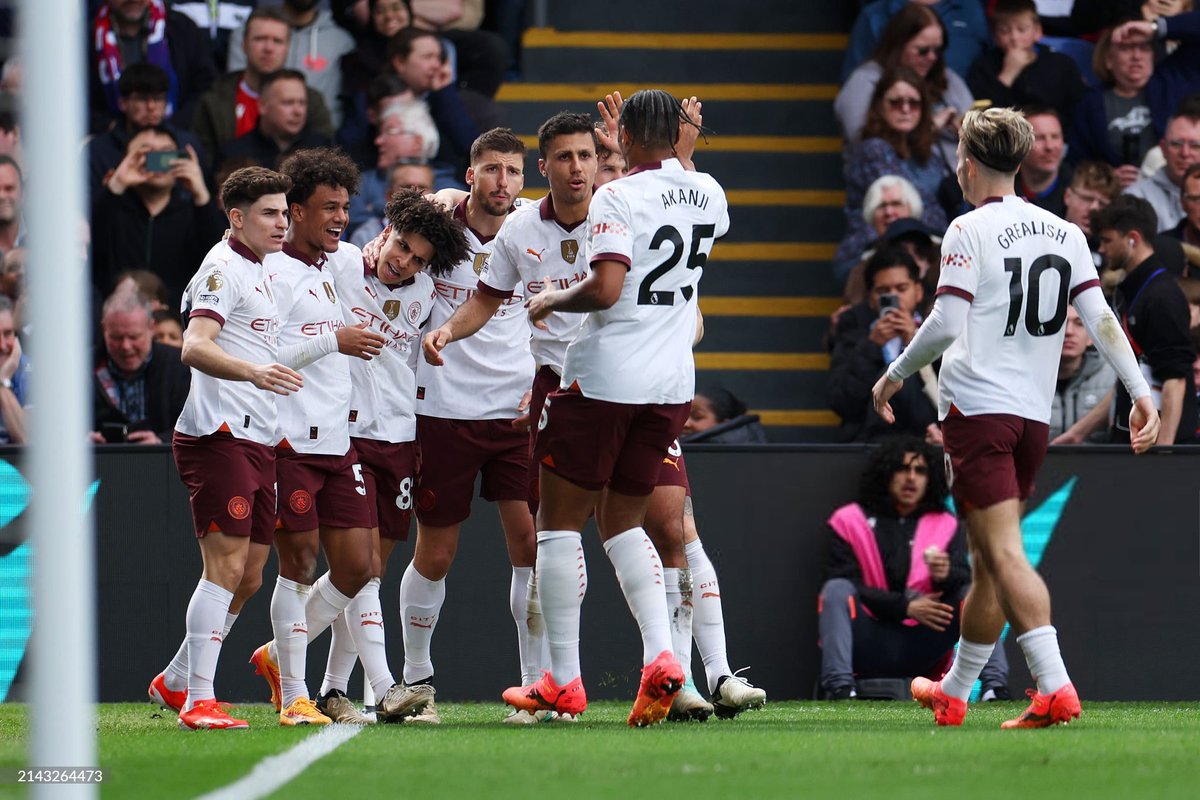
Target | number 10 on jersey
(1033,324)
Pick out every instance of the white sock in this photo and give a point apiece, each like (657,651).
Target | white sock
(205,614)
(324,604)
(536,623)
(518,603)
(562,583)
(708,622)
(342,656)
(640,573)
(364,618)
(968,663)
(420,605)
(230,619)
(679,607)
(290,626)
(175,676)
(1044,659)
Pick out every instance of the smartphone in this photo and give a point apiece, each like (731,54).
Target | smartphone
(887,302)
(114,432)
(160,160)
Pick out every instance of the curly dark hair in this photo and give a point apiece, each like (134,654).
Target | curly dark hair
(409,212)
(888,459)
(318,166)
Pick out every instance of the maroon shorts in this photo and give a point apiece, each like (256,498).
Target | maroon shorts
(390,472)
(321,490)
(597,443)
(992,457)
(230,483)
(673,471)
(454,451)
(544,382)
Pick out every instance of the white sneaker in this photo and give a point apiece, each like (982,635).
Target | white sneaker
(689,706)
(401,702)
(734,695)
(522,717)
(428,715)
(340,708)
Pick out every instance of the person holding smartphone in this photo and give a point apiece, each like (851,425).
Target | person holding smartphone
(868,337)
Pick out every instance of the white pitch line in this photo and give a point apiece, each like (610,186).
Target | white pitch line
(274,771)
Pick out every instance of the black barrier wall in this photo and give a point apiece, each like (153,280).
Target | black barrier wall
(1122,562)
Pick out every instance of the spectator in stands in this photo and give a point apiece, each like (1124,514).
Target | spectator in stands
(1191,291)
(718,416)
(316,49)
(867,338)
(168,329)
(10,128)
(897,140)
(1043,179)
(406,135)
(888,198)
(139,386)
(142,100)
(1090,16)
(480,58)
(282,125)
(1084,380)
(1156,318)
(148,285)
(141,218)
(1018,71)
(914,38)
(896,576)
(403,175)
(1121,120)
(1093,186)
(963,18)
(1164,190)
(218,19)
(363,65)
(417,57)
(12,274)
(230,109)
(1188,229)
(12,194)
(127,32)
(14,379)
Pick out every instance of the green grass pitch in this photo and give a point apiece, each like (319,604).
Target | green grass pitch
(788,749)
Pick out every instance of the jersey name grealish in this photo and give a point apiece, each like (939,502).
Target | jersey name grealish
(233,288)
(532,246)
(313,420)
(484,376)
(661,222)
(1018,265)
(383,390)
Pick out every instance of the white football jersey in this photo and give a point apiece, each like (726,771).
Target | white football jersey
(383,390)
(484,376)
(661,221)
(313,420)
(232,287)
(1018,265)
(532,246)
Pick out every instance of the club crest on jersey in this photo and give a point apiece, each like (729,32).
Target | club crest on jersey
(480,262)
(329,292)
(570,250)
(215,280)
(391,308)
(414,312)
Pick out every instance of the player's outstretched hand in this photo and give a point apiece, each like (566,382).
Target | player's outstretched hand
(930,612)
(276,378)
(881,394)
(539,304)
(433,344)
(685,145)
(1143,425)
(357,341)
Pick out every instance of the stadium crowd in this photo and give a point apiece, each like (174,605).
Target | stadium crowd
(1113,97)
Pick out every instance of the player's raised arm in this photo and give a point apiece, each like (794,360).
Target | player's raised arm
(466,321)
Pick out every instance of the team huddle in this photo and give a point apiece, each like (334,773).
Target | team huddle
(314,424)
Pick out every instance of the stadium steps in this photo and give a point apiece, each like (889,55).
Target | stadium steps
(767,73)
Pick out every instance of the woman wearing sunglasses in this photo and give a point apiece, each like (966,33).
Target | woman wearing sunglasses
(897,139)
(914,38)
